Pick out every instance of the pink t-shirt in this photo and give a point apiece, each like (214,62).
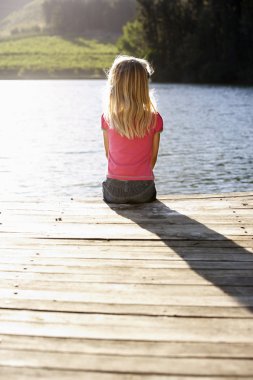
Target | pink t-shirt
(130,159)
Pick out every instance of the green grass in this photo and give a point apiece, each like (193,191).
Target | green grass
(53,56)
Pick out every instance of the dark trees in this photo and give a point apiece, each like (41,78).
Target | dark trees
(198,40)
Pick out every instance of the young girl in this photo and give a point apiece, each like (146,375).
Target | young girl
(131,127)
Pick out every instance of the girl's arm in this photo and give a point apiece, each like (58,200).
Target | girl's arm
(155,148)
(106,143)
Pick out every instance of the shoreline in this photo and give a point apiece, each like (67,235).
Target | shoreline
(99,75)
(43,75)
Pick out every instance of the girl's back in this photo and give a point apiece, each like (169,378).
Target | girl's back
(131,126)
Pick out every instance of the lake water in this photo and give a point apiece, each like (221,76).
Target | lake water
(51,141)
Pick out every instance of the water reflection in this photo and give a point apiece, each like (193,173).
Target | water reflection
(50,138)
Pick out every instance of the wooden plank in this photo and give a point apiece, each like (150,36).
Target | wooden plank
(64,205)
(126,253)
(133,231)
(126,327)
(137,276)
(129,298)
(209,221)
(125,257)
(158,210)
(228,194)
(219,311)
(208,254)
(122,364)
(70,202)
(21,373)
(101,215)
(138,246)
(153,290)
(210,272)
(182,215)
(168,205)
(172,325)
(127,347)
(12,263)
(11,240)
(37,373)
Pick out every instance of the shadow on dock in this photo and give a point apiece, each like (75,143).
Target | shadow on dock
(233,281)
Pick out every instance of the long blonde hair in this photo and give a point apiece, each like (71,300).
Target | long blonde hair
(129,109)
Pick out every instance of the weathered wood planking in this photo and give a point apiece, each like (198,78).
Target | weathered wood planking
(155,291)
(137,364)
(91,375)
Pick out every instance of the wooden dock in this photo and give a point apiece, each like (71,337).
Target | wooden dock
(127,292)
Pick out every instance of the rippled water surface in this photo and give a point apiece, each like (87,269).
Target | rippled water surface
(51,141)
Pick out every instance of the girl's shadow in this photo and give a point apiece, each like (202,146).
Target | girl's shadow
(233,277)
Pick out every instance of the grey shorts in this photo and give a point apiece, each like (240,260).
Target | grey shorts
(117,191)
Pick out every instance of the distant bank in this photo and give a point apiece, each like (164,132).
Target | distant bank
(46,57)
(58,57)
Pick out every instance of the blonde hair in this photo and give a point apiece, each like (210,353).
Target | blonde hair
(129,109)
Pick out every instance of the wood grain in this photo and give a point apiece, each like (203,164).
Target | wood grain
(127,292)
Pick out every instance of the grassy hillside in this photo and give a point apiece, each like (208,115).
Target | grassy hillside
(54,57)
(27,16)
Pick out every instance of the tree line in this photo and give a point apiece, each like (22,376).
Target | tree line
(186,40)
(78,17)
(194,40)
